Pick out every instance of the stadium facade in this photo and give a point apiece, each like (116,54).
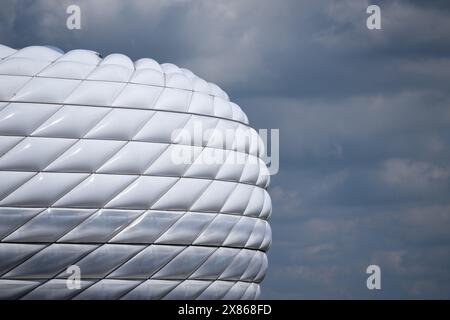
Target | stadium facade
(88,182)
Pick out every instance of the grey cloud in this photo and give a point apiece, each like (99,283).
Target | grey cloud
(305,46)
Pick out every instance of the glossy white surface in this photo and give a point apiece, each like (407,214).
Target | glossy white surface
(88,178)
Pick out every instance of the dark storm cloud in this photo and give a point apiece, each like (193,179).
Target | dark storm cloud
(306,46)
(364,118)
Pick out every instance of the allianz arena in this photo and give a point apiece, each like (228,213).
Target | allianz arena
(87,180)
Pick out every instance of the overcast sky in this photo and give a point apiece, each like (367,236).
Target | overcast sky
(364,119)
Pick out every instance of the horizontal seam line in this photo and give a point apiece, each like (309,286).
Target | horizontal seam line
(125,140)
(131,174)
(111,81)
(42,209)
(134,244)
(132,280)
(125,107)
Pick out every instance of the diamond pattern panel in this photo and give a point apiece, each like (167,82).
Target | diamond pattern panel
(102,167)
